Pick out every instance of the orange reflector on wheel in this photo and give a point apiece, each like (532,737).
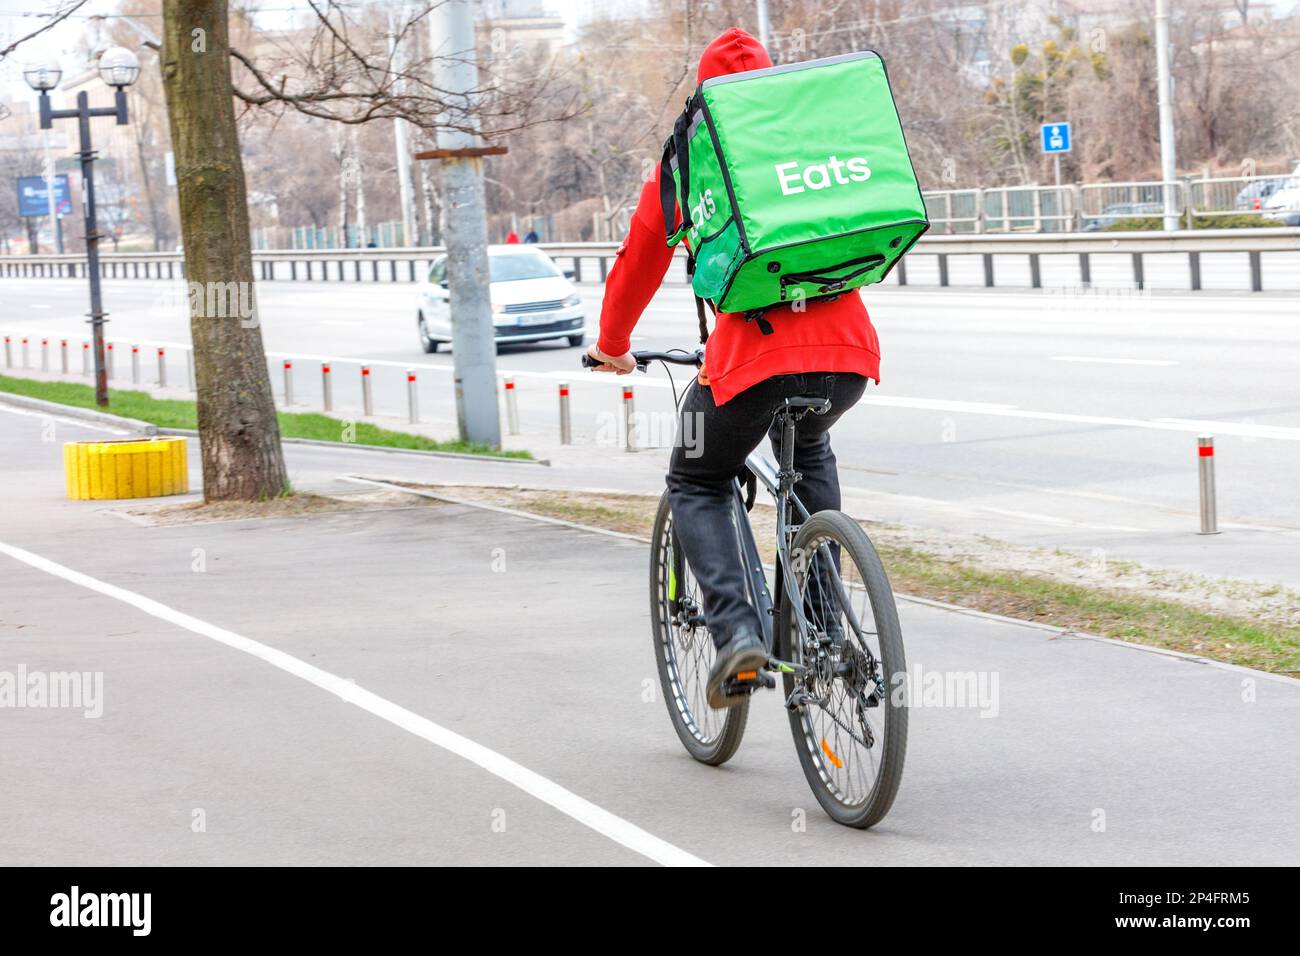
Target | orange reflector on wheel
(830,755)
(747,675)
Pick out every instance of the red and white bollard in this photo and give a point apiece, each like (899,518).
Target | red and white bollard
(26,360)
(135,365)
(412,396)
(629,417)
(63,356)
(566,430)
(1205,468)
(162,368)
(9,352)
(108,359)
(512,408)
(45,355)
(327,386)
(85,358)
(367,397)
(288,382)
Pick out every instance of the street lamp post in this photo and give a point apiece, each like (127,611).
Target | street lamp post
(119,68)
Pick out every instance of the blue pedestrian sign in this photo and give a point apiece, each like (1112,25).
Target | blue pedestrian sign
(1056,137)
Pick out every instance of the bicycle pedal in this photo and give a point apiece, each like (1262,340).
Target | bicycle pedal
(746,682)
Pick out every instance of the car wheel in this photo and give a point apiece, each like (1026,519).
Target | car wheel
(430,345)
(577,341)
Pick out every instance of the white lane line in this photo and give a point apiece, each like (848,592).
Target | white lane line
(1243,429)
(1059,521)
(960,508)
(569,803)
(1193,426)
(1111,361)
(937,404)
(74,422)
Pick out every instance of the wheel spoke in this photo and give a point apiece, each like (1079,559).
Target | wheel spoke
(839,609)
(688,651)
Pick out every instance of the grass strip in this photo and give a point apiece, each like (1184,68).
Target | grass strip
(181,413)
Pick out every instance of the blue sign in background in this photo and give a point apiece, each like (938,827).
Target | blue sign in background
(32,199)
(1056,137)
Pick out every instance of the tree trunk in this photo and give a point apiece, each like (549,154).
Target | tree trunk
(358,171)
(426,195)
(345,168)
(238,432)
(148,187)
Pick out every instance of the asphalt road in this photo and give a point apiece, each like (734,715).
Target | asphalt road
(438,684)
(1062,418)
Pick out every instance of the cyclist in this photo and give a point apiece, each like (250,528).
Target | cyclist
(827,348)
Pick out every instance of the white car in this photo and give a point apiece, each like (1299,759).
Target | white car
(1284,204)
(532,300)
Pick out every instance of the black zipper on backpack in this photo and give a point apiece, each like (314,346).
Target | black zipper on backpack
(829,283)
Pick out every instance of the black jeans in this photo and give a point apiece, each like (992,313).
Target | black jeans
(711,448)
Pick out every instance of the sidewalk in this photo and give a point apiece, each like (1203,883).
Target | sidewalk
(532,639)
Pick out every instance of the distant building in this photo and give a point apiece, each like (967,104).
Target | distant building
(514,27)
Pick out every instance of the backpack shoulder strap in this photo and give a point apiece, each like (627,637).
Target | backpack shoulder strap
(699,303)
(677,148)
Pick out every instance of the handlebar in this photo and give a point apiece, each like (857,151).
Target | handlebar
(643,359)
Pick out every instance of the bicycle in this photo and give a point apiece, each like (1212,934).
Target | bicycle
(816,638)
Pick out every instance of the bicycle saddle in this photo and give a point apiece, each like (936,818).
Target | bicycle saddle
(811,403)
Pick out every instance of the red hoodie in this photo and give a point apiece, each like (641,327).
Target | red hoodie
(834,336)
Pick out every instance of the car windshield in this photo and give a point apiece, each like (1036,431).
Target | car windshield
(521,265)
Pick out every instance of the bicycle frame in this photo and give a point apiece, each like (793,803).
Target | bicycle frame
(779,483)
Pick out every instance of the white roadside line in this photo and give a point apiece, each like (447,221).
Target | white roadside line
(1243,429)
(583,811)
(1060,522)
(1111,361)
(75,422)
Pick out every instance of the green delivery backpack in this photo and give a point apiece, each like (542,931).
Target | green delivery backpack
(794,182)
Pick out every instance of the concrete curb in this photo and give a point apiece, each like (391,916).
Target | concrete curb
(191,433)
(927,602)
(145,428)
(85,414)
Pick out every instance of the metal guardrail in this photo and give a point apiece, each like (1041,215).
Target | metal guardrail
(1071,208)
(1234,195)
(955,210)
(590,261)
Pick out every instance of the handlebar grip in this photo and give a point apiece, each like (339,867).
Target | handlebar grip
(589,362)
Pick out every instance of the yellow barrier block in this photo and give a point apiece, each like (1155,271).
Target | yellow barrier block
(127,468)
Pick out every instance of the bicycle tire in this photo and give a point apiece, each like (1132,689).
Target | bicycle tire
(683,702)
(815,756)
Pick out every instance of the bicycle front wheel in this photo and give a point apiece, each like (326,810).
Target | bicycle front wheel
(684,651)
(850,727)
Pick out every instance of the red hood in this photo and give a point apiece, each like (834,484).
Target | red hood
(734,51)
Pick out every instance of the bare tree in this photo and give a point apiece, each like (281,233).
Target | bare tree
(238,431)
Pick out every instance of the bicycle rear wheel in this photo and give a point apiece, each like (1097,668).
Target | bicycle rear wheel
(684,651)
(851,729)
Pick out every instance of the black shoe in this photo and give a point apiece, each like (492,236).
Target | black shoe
(744,652)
